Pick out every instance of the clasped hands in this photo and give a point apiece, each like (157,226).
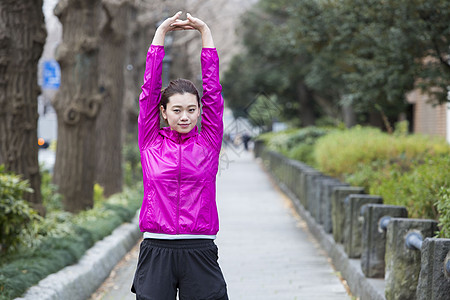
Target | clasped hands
(174,23)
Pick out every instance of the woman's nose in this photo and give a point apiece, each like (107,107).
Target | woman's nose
(184,116)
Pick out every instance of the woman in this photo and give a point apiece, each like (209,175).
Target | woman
(179,164)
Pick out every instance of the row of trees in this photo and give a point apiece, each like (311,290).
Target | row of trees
(92,58)
(95,99)
(102,60)
(344,59)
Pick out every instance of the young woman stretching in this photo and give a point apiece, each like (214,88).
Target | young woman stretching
(179,164)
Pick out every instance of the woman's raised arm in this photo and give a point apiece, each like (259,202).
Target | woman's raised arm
(212,115)
(148,121)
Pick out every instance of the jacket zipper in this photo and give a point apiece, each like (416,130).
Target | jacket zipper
(179,184)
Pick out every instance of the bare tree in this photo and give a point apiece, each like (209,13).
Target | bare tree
(78,102)
(22,38)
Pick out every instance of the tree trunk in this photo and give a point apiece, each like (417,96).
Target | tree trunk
(375,119)
(307,117)
(77,102)
(349,115)
(111,76)
(131,78)
(22,38)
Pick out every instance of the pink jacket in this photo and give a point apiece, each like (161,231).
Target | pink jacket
(179,170)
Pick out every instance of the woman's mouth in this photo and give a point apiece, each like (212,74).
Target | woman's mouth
(184,125)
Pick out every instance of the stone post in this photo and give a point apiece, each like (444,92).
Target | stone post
(299,169)
(325,202)
(305,177)
(292,175)
(316,205)
(374,237)
(434,278)
(258,148)
(311,191)
(353,222)
(403,262)
(337,209)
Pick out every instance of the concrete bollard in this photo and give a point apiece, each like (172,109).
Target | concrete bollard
(298,187)
(434,278)
(311,190)
(275,164)
(306,176)
(374,237)
(293,176)
(402,261)
(316,205)
(338,196)
(258,148)
(325,202)
(353,222)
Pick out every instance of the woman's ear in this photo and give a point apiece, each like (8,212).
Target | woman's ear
(163,112)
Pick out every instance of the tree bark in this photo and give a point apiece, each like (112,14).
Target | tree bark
(111,78)
(131,77)
(22,38)
(77,102)
(307,116)
(349,115)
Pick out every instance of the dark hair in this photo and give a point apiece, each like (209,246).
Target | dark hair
(178,86)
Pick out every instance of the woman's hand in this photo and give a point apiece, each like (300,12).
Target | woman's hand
(192,23)
(165,27)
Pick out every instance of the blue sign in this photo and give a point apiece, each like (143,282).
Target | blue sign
(51,75)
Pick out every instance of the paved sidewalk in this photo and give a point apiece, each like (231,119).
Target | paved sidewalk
(265,249)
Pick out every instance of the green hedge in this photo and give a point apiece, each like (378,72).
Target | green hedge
(408,170)
(340,152)
(61,239)
(295,143)
(415,184)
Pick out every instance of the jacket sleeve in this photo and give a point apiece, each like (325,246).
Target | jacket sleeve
(212,101)
(148,120)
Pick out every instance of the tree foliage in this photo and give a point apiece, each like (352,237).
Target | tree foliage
(364,53)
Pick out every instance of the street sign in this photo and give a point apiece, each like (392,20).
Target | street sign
(51,75)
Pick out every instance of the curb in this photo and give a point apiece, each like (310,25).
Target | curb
(79,281)
(350,269)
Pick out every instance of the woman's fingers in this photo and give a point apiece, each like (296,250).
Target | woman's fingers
(190,23)
(182,25)
(176,16)
(186,27)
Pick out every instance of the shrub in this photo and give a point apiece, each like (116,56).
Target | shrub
(51,199)
(294,143)
(61,239)
(341,152)
(98,195)
(443,206)
(415,184)
(15,213)
(407,170)
(132,164)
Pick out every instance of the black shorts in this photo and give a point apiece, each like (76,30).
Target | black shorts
(189,266)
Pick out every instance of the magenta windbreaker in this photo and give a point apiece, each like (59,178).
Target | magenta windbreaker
(179,170)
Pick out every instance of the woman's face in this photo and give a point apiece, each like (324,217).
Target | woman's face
(182,112)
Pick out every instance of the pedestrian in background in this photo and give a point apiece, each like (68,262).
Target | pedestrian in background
(179,215)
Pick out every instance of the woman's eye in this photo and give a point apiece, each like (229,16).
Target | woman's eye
(192,110)
(176,110)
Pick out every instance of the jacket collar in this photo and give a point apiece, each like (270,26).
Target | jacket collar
(176,136)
